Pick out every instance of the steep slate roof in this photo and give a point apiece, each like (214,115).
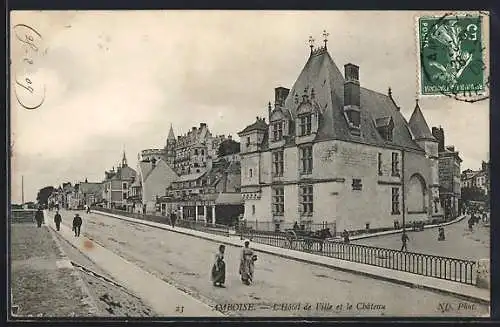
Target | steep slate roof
(124,173)
(259,124)
(419,126)
(171,135)
(321,74)
(92,188)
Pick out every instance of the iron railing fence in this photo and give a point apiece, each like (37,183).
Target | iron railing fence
(452,269)
(22,215)
(207,227)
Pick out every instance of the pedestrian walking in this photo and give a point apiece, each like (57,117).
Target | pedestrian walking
(39,217)
(470,222)
(88,209)
(441,234)
(247,263)
(173,219)
(219,268)
(77,224)
(58,220)
(345,234)
(404,239)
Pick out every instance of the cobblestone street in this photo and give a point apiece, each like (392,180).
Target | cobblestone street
(185,262)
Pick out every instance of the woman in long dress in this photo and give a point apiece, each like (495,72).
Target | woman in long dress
(247,263)
(219,268)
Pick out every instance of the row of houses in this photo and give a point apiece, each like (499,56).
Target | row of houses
(327,150)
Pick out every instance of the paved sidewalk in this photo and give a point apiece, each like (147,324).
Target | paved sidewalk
(395,231)
(164,299)
(469,292)
(43,281)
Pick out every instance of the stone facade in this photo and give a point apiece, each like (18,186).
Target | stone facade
(338,153)
(115,186)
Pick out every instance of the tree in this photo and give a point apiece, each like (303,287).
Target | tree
(228,147)
(44,193)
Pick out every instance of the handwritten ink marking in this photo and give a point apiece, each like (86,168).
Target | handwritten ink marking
(30,94)
(179,309)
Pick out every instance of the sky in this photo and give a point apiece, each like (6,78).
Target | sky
(115,81)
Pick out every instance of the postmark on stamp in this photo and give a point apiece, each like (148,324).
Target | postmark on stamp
(452,51)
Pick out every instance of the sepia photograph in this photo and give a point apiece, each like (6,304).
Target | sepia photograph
(270,164)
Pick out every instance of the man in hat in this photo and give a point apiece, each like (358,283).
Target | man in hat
(39,217)
(77,224)
(58,220)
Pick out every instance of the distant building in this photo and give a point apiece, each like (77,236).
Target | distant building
(153,178)
(449,175)
(212,196)
(90,193)
(116,185)
(338,153)
(477,178)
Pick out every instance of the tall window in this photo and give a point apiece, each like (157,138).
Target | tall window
(253,209)
(248,141)
(395,164)
(124,186)
(395,201)
(306,159)
(306,200)
(278,163)
(250,172)
(277,131)
(380,164)
(356,184)
(278,201)
(124,195)
(305,124)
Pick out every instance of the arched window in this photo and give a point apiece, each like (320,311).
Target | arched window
(417,192)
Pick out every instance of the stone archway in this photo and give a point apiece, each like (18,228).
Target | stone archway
(417,194)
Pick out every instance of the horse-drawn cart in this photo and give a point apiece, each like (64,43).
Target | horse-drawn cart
(309,241)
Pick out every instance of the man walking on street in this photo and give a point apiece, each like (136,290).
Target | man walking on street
(57,220)
(77,224)
(39,217)
(173,218)
(404,239)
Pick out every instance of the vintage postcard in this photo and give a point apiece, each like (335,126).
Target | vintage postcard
(225,164)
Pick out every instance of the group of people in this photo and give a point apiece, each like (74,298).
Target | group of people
(77,220)
(246,269)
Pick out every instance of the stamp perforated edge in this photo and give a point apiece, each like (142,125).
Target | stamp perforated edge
(484,43)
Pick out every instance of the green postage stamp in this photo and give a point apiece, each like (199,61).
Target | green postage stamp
(451,55)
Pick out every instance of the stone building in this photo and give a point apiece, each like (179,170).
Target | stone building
(115,186)
(211,196)
(449,175)
(152,179)
(90,193)
(477,178)
(334,151)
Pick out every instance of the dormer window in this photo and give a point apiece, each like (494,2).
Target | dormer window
(305,124)
(385,127)
(277,130)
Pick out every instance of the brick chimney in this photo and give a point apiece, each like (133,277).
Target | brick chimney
(352,96)
(438,133)
(280,95)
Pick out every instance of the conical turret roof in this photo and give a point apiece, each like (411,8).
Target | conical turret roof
(171,136)
(418,125)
